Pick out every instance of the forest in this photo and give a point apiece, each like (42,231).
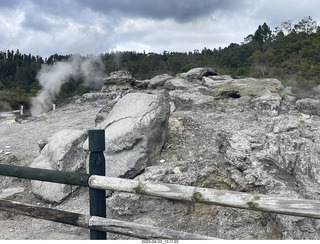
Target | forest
(290,52)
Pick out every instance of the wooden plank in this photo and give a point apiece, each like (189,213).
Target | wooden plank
(55,215)
(71,178)
(256,202)
(142,231)
(98,223)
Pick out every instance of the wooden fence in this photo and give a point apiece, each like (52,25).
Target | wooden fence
(99,224)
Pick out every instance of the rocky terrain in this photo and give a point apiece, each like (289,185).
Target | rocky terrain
(207,130)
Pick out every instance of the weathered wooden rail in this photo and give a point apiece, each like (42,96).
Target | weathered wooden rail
(96,221)
(256,202)
(99,224)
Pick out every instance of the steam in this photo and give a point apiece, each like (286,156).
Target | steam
(52,77)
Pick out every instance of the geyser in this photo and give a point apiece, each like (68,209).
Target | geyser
(89,69)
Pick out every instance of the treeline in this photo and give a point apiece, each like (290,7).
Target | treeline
(18,78)
(290,52)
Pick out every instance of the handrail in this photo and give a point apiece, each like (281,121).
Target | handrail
(70,178)
(243,200)
(98,223)
(98,183)
(250,201)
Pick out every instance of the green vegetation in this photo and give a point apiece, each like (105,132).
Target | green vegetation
(290,53)
(17,78)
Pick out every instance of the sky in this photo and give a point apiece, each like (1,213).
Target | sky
(46,27)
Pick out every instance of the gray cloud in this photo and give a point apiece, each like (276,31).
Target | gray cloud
(45,27)
(36,22)
(180,10)
(60,8)
(9,3)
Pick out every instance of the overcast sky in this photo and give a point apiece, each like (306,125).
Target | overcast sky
(45,27)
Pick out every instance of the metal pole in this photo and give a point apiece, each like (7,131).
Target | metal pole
(97,167)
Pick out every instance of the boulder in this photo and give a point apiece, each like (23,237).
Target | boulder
(118,80)
(64,152)
(177,83)
(158,81)
(136,130)
(248,87)
(196,74)
(119,77)
(215,81)
(309,106)
(268,104)
(186,99)
(141,84)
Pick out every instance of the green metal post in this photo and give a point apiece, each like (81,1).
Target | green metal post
(97,167)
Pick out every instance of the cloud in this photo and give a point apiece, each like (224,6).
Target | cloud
(9,3)
(155,35)
(46,27)
(37,22)
(274,12)
(179,10)
(10,27)
(43,30)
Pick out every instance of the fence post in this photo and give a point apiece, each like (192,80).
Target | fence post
(97,167)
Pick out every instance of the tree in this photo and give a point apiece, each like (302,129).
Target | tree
(266,32)
(306,25)
(262,34)
(248,39)
(258,35)
(261,60)
(285,28)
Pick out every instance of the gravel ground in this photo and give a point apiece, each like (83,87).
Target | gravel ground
(18,146)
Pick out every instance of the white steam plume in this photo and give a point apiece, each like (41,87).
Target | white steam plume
(52,77)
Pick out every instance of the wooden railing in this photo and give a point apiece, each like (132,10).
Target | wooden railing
(99,224)
(95,223)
